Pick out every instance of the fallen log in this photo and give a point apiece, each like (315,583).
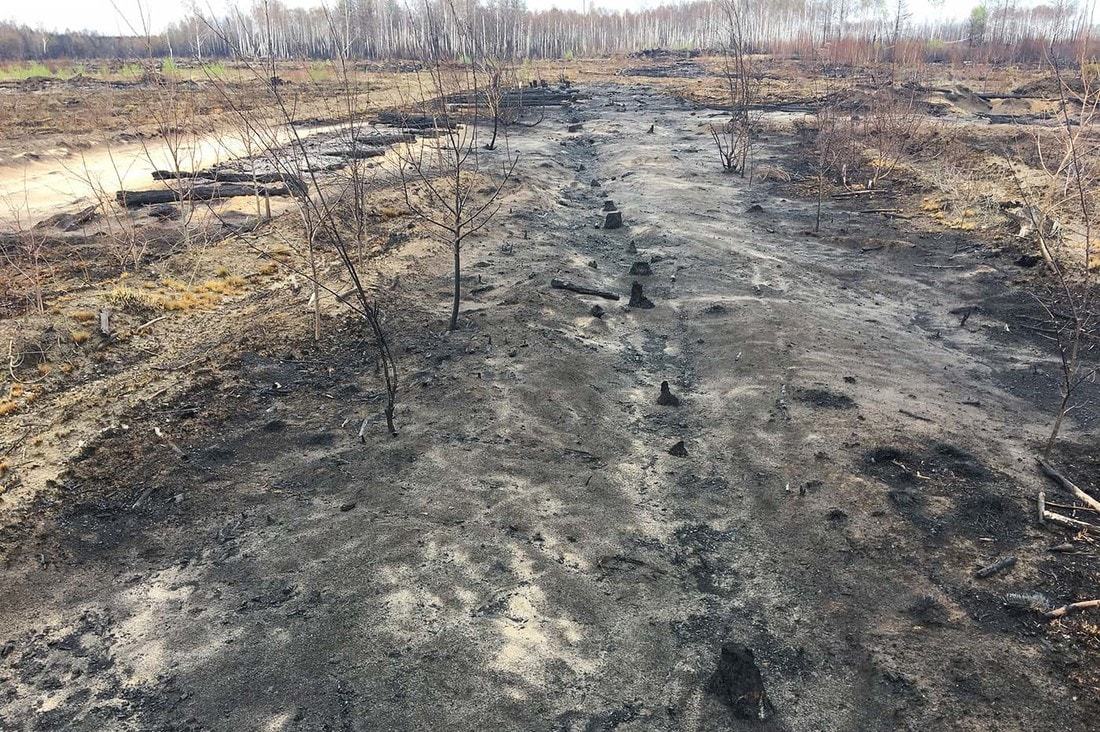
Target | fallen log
(412,121)
(358,153)
(1059,519)
(204,192)
(381,139)
(220,176)
(1066,609)
(528,97)
(226,176)
(1068,485)
(582,290)
(998,566)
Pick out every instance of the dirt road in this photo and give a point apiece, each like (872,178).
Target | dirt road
(527,554)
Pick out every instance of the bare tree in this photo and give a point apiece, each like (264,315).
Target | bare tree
(23,250)
(447,182)
(316,202)
(889,125)
(1063,211)
(733,138)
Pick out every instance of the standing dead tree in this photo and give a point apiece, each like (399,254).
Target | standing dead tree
(1063,206)
(317,204)
(733,138)
(827,143)
(23,251)
(889,125)
(447,182)
(506,98)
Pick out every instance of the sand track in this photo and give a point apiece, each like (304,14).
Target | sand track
(527,554)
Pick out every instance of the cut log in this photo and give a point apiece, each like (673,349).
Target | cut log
(358,153)
(381,139)
(220,176)
(231,176)
(582,290)
(202,192)
(412,121)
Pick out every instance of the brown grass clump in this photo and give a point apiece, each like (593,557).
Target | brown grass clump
(80,336)
(191,301)
(228,285)
(8,407)
(83,316)
(134,301)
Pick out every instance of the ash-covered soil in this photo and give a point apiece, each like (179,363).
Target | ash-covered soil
(528,554)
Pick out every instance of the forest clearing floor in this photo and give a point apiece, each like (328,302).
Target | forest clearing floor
(527,554)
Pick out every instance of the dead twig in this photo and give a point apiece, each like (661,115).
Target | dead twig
(146,324)
(1059,519)
(1059,612)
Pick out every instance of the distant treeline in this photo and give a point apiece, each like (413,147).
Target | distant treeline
(840,31)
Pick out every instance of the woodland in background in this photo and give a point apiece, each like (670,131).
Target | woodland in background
(837,31)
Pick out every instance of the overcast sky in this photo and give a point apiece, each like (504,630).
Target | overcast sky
(102,16)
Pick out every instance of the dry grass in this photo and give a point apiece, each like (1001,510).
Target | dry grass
(83,316)
(131,300)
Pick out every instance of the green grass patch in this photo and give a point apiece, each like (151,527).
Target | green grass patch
(24,70)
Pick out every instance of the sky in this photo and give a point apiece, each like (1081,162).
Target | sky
(106,16)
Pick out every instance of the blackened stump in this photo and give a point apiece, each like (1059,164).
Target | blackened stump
(637,299)
(613,220)
(737,682)
(679,449)
(641,269)
(667,398)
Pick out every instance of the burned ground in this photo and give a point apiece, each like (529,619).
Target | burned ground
(527,554)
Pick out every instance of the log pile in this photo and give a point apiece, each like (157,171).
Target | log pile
(530,97)
(198,192)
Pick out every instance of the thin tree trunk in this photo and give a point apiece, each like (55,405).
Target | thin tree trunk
(458,286)
(493,142)
(820,193)
(316,290)
(1057,425)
